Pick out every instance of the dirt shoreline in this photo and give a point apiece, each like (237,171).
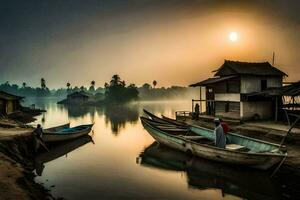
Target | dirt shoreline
(16,170)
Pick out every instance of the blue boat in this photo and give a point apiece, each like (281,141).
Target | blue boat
(64,132)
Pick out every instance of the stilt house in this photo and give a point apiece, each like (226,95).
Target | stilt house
(230,92)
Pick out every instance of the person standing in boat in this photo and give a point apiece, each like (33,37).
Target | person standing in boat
(220,138)
(38,136)
(226,129)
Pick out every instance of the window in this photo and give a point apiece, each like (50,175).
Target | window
(263,84)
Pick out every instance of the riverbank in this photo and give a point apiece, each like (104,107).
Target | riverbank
(16,165)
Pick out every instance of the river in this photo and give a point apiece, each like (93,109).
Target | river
(122,161)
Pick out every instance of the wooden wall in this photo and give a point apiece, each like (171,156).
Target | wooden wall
(262,109)
(2,108)
(253,83)
(228,109)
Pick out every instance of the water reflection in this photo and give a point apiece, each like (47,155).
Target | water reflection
(107,170)
(119,115)
(203,174)
(59,150)
(116,116)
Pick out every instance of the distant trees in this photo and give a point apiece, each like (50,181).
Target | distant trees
(154,83)
(43,83)
(117,92)
(115,80)
(92,87)
(146,86)
(68,85)
(43,91)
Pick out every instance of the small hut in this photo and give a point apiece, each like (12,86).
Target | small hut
(9,103)
(79,97)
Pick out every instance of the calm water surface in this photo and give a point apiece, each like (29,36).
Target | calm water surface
(121,160)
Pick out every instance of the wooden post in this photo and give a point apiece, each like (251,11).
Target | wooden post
(192,105)
(287,117)
(200,100)
(276,109)
(290,129)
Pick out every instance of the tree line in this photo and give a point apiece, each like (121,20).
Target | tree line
(115,90)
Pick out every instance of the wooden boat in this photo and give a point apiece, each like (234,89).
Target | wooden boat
(164,120)
(200,142)
(173,121)
(63,133)
(57,128)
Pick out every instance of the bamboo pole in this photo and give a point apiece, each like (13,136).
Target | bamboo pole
(277,168)
(290,129)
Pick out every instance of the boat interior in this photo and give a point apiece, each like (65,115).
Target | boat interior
(199,135)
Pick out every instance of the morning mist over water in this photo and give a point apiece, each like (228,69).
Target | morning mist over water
(149,99)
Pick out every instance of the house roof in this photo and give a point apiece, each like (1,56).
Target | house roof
(248,68)
(210,81)
(8,96)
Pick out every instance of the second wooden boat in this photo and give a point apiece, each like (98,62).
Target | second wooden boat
(164,120)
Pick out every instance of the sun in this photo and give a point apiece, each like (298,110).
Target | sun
(233,36)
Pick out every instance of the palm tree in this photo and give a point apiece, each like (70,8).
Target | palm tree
(154,83)
(92,87)
(24,85)
(43,83)
(115,80)
(68,85)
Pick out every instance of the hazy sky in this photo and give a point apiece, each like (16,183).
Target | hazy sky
(176,42)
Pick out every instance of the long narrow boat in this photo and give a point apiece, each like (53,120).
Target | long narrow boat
(164,120)
(61,133)
(167,119)
(57,128)
(199,141)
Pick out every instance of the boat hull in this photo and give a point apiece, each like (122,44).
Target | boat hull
(56,137)
(255,160)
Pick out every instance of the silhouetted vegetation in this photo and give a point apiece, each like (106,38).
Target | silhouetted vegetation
(25,90)
(117,92)
(44,91)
